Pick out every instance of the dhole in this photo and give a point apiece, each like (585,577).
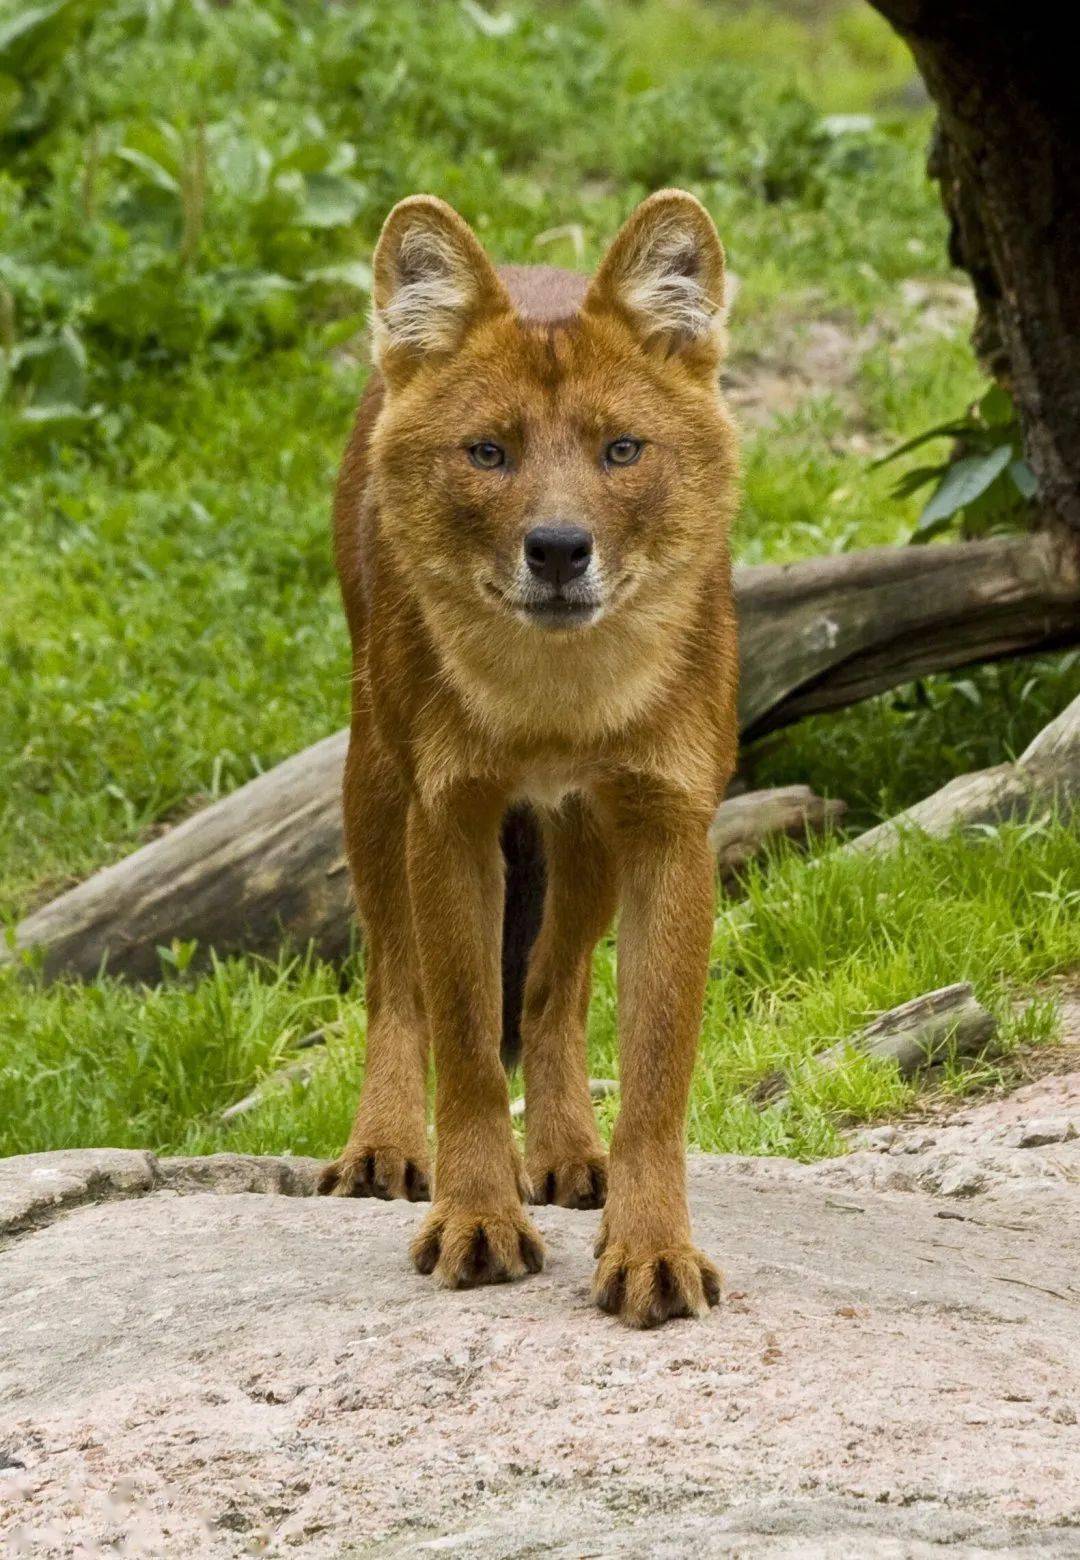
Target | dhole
(531,532)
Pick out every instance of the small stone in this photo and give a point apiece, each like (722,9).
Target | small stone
(1042,1133)
(918,1143)
(879,1139)
(961,1180)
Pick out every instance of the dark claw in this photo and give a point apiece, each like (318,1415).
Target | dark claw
(426,1256)
(665,1284)
(611,1296)
(479,1256)
(531,1254)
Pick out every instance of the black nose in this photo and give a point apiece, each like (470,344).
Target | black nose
(558,553)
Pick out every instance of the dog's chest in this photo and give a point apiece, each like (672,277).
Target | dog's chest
(546,783)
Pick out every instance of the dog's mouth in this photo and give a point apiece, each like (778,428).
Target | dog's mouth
(558,609)
(561,611)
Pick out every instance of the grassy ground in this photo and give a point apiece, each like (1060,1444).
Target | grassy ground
(180,295)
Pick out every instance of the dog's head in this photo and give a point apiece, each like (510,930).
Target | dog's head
(554,470)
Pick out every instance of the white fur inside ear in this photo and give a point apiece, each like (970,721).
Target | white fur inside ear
(664,288)
(433,293)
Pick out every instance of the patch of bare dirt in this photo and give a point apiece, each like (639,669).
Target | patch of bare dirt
(811,355)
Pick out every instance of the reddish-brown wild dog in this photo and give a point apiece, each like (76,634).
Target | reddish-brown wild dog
(531,532)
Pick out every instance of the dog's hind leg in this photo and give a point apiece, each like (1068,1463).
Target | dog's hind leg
(387,1152)
(564,1156)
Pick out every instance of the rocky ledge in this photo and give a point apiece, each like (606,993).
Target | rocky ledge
(189,1369)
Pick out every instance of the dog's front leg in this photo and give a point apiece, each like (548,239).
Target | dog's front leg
(477,1231)
(649,1268)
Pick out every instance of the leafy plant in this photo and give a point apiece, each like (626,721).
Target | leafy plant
(984,484)
(45,378)
(35,42)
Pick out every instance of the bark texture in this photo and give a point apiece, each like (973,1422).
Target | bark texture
(914,1035)
(266,865)
(742,824)
(1007,155)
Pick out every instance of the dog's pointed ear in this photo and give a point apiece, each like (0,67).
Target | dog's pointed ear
(664,276)
(431,283)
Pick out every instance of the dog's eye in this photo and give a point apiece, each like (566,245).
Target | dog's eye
(487,455)
(622,452)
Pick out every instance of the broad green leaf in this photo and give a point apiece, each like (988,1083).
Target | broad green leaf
(53,421)
(330,200)
(492,24)
(50,370)
(37,35)
(996,407)
(961,484)
(156,305)
(308,157)
(150,168)
(1023,479)
(352,273)
(60,373)
(337,332)
(250,282)
(997,508)
(242,166)
(280,206)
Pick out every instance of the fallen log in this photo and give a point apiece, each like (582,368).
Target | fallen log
(262,868)
(918,1034)
(265,866)
(742,824)
(823,634)
(1045,778)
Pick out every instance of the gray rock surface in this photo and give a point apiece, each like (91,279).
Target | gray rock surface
(187,1369)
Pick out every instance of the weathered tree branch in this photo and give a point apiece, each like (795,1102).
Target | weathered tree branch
(917,1034)
(819,635)
(1045,776)
(743,823)
(265,866)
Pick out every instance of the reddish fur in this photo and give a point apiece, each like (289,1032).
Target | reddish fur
(622,735)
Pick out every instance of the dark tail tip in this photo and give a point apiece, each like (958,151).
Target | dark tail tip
(526,880)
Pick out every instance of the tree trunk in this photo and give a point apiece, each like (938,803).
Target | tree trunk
(265,866)
(1007,154)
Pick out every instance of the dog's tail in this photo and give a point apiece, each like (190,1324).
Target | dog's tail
(526,880)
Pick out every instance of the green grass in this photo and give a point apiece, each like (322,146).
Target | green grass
(822,951)
(188,196)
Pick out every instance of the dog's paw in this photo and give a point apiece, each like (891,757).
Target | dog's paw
(463,1247)
(644,1288)
(377,1172)
(571,1182)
